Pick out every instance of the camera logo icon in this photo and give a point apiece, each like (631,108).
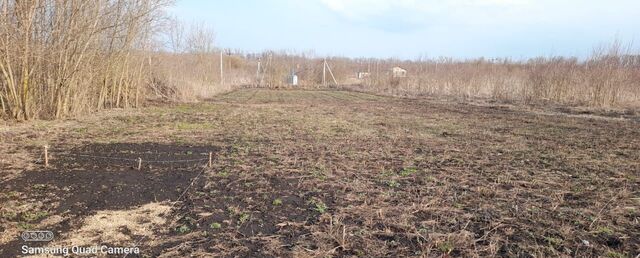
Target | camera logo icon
(37,236)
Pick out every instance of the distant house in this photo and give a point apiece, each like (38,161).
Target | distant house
(362,75)
(398,72)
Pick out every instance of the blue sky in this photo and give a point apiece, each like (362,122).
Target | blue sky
(411,28)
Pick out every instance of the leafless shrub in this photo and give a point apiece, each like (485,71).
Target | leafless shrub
(608,78)
(59,58)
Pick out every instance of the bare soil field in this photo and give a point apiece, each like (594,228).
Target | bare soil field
(303,173)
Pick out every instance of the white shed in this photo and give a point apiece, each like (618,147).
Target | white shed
(293,79)
(398,72)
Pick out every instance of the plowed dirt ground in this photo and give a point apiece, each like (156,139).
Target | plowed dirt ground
(327,173)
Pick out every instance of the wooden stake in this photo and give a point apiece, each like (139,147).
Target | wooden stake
(139,163)
(46,156)
(210,159)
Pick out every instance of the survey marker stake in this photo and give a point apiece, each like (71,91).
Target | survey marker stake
(46,156)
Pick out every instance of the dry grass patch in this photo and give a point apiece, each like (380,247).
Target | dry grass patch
(119,226)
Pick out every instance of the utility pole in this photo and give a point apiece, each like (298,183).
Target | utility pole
(221,69)
(258,71)
(368,79)
(266,67)
(324,72)
(258,74)
(331,73)
(325,67)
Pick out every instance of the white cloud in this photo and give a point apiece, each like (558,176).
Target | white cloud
(360,9)
(496,2)
(421,13)
(364,8)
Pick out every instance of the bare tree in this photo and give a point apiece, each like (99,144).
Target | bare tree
(175,35)
(200,39)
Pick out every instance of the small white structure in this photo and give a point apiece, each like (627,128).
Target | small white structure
(398,72)
(293,79)
(362,75)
